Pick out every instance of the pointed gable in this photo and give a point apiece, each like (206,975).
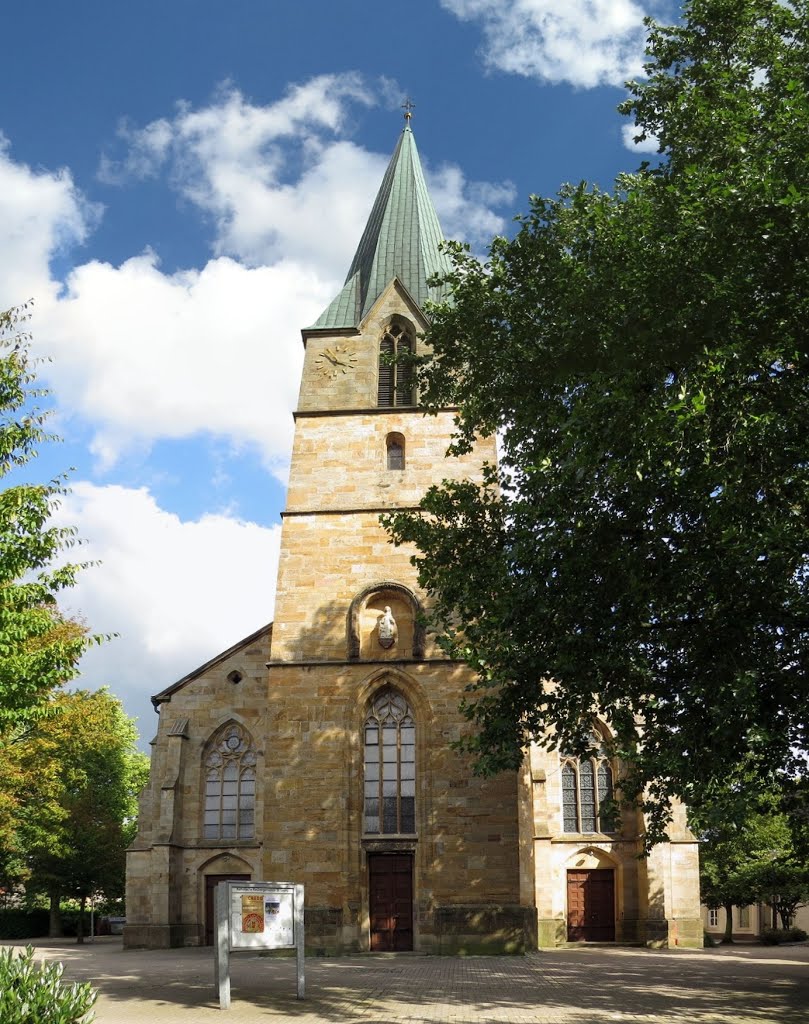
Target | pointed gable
(400,240)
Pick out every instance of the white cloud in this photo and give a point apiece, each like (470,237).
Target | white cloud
(177,592)
(467,209)
(583,42)
(277,181)
(651,144)
(41,215)
(280,181)
(144,355)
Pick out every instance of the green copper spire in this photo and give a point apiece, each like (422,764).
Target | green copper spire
(400,240)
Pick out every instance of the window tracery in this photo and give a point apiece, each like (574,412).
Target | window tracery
(396,379)
(230,785)
(587,792)
(390,766)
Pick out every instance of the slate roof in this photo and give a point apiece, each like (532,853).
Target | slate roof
(400,241)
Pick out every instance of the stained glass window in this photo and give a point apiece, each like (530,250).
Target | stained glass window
(587,793)
(570,799)
(390,766)
(605,812)
(587,796)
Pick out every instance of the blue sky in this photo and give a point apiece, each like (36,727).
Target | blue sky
(182,186)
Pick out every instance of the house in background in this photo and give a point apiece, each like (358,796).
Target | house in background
(748,922)
(320,748)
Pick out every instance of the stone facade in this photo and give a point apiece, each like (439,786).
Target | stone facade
(471,864)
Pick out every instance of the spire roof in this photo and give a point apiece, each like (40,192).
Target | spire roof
(400,241)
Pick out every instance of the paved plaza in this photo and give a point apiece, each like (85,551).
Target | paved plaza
(590,985)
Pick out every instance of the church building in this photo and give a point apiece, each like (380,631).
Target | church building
(319,750)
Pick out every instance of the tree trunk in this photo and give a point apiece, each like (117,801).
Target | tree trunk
(54,917)
(80,926)
(727,938)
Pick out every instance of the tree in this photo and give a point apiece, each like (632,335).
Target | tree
(39,648)
(783,884)
(752,858)
(77,776)
(642,355)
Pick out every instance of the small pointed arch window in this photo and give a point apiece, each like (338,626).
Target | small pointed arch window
(396,379)
(390,765)
(395,451)
(229,763)
(587,791)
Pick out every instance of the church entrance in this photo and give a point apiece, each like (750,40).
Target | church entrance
(390,878)
(211,882)
(591,905)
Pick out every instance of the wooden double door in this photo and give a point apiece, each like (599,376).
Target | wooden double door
(591,905)
(390,887)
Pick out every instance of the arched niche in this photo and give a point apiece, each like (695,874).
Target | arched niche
(590,858)
(365,624)
(226,864)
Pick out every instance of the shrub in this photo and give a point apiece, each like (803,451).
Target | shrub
(708,940)
(34,994)
(775,936)
(21,923)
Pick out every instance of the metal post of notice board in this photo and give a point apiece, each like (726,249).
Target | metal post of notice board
(257,916)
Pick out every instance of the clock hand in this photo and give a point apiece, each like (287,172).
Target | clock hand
(334,358)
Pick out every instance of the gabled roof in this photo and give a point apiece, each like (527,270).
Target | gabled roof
(166,695)
(401,240)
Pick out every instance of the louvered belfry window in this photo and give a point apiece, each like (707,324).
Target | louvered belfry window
(230,785)
(390,766)
(395,378)
(587,791)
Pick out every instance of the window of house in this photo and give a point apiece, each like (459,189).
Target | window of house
(390,766)
(395,450)
(713,918)
(587,790)
(395,379)
(230,785)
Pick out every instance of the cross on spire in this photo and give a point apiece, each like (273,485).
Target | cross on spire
(408,107)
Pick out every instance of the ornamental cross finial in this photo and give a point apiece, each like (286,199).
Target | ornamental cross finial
(408,107)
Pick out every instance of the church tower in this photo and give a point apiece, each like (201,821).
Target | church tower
(320,749)
(395,837)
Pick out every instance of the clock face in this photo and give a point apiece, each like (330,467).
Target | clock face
(335,360)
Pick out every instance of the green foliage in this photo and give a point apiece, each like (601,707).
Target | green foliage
(777,936)
(755,855)
(643,356)
(77,775)
(22,923)
(783,883)
(39,648)
(30,994)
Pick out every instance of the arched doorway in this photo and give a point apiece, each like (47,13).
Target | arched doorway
(211,882)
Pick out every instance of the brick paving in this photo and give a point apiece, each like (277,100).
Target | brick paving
(590,985)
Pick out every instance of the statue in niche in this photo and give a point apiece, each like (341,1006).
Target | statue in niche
(386,629)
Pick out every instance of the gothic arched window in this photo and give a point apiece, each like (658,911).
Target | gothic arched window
(230,785)
(395,378)
(587,793)
(390,766)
